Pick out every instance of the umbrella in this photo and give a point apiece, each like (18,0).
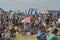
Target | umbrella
(26,20)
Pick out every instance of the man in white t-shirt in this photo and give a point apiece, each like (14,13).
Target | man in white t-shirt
(58,22)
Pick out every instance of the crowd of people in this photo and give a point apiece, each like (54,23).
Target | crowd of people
(39,24)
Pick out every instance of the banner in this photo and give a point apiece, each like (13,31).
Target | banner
(32,11)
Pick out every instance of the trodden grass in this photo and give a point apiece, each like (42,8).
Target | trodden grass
(32,37)
(20,37)
(24,37)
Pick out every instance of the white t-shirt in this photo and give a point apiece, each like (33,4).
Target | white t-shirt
(59,20)
(7,35)
(50,30)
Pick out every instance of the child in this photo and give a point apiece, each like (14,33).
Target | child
(8,34)
(36,25)
(13,32)
(41,33)
(27,31)
(22,29)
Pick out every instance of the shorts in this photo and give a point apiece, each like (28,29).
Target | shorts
(36,26)
(8,39)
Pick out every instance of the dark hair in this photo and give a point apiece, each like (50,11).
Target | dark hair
(55,30)
(7,30)
(51,25)
(41,26)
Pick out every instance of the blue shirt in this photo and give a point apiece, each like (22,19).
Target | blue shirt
(36,25)
(42,35)
(1,30)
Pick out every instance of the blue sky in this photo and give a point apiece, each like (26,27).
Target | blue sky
(25,4)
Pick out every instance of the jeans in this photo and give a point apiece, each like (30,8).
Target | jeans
(38,38)
(7,39)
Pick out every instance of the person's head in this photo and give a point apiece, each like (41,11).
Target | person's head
(55,31)
(51,25)
(42,28)
(8,30)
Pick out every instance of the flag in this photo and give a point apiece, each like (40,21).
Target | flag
(27,20)
(32,11)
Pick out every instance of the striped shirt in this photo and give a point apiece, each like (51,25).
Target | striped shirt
(42,35)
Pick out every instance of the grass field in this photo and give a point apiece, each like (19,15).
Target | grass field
(20,37)
(32,37)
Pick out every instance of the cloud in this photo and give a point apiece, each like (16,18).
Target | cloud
(44,0)
(22,3)
(3,1)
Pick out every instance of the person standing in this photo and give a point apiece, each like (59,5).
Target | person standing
(36,26)
(53,36)
(41,35)
(22,29)
(8,34)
